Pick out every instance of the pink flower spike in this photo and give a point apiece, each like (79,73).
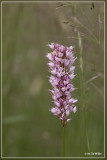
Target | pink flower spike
(60,63)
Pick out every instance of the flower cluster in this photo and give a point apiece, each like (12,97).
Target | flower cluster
(60,63)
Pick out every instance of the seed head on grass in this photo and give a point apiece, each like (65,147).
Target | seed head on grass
(61,61)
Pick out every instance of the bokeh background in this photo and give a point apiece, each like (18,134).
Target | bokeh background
(29,129)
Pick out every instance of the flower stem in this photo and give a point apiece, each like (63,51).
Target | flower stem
(63,141)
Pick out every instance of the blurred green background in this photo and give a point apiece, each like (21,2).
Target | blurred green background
(29,129)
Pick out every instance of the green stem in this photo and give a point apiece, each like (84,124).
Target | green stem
(63,141)
(87,138)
